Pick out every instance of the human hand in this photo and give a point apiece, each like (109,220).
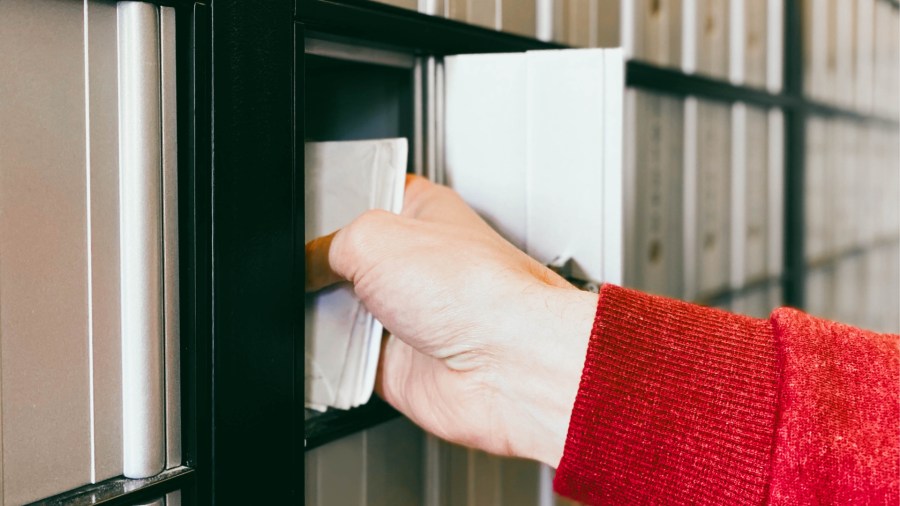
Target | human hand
(486,346)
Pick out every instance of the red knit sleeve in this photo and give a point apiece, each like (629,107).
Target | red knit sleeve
(838,434)
(681,404)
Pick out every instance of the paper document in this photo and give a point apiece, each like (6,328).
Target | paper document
(343,340)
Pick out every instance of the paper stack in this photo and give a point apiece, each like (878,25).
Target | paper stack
(343,340)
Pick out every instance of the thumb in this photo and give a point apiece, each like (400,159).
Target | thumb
(318,270)
(339,255)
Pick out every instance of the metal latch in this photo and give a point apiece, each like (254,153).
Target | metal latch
(566,268)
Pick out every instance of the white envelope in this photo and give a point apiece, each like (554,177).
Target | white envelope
(343,340)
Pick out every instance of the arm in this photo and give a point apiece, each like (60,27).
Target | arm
(697,405)
(675,402)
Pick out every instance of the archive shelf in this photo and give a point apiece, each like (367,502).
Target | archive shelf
(371,24)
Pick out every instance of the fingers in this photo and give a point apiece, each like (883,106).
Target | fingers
(435,203)
(318,269)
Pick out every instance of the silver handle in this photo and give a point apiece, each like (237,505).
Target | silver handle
(141,240)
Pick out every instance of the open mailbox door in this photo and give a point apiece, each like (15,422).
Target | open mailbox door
(533,141)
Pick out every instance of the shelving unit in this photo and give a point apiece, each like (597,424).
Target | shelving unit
(258,79)
(371,24)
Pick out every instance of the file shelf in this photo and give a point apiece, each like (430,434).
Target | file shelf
(250,93)
(374,24)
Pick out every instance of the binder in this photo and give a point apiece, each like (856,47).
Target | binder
(820,288)
(815,189)
(755,39)
(713,194)
(572,22)
(775,193)
(843,178)
(756,302)
(756,175)
(849,291)
(774,45)
(865,54)
(816,48)
(519,17)
(866,200)
(658,31)
(612,25)
(654,174)
(712,35)
(484,13)
(522,130)
(829,91)
(845,40)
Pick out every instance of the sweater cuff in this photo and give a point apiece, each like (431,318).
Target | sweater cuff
(676,403)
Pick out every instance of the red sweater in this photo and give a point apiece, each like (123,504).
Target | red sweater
(681,404)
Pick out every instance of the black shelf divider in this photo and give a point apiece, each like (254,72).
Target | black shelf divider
(253,428)
(122,491)
(794,159)
(322,428)
(413,31)
(674,81)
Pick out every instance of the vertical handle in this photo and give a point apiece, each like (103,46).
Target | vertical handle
(141,240)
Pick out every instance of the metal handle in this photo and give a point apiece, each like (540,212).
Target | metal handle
(141,240)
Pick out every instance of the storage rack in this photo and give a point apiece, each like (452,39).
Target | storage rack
(378,24)
(241,69)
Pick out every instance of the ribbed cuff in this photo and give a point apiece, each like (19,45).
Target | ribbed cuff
(676,405)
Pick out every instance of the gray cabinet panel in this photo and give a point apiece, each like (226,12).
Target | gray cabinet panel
(44,255)
(339,477)
(61,374)
(394,466)
(381,466)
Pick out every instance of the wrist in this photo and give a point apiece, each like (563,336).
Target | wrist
(547,367)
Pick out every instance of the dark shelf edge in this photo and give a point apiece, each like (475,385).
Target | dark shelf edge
(121,490)
(331,425)
(728,295)
(675,82)
(815,107)
(389,26)
(831,260)
(385,24)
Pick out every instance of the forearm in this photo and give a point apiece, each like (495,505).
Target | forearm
(545,371)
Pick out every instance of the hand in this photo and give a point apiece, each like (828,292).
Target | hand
(486,346)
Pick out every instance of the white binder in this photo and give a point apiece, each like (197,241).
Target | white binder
(755,228)
(754,30)
(657,31)
(533,143)
(713,197)
(712,37)
(815,189)
(653,193)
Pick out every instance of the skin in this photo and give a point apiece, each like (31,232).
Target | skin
(486,345)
